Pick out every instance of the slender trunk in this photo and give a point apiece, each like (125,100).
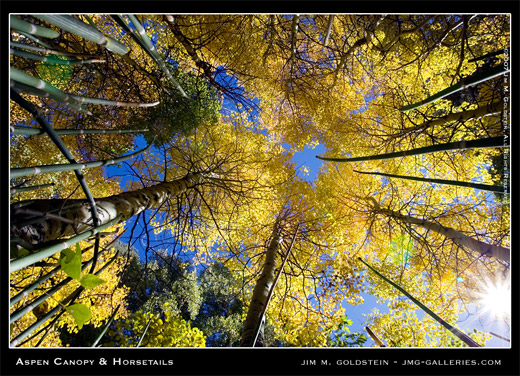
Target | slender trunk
(457,237)
(490,142)
(261,292)
(484,187)
(79,216)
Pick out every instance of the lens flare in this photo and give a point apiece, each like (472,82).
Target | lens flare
(496,299)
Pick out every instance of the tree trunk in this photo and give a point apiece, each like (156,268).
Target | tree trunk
(261,292)
(76,215)
(457,237)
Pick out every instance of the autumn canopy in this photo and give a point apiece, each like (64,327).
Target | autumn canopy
(156,199)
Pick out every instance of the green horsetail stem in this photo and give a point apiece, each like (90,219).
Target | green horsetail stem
(15,299)
(57,94)
(484,187)
(152,51)
(463,337)
(55,310)
(21,25)
(22,88)
(46,50)
(462,84)
(61,132)
(490,142)
(144,333)
(80,28)
(27,171)
(106,327)
(43,88)
(34,39)
(53,249)
(52,59)
(491,54)
(107,102)
(28,308)
(31,188)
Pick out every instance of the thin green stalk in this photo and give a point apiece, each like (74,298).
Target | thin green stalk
(106,102)
(23,310)
(26,27)
(59,307)
(80,28)
(484,187)
(27,171)
(28,289)
(106,327)
(46,50)
(151,50)
(53,249)
(65,151)
(463,337)
(462,84)
(24,78)
(34,39)
(52,59)
(144,333)
(18,87)
(491,54)
(491,142)
(31,188)
(61,132)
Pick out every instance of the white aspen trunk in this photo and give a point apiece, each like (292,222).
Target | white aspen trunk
(457,237)
(126,204)
(261,291)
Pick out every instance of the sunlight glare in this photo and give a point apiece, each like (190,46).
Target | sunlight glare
(496,299)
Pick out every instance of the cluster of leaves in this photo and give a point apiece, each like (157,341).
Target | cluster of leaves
(177,115)
(162,330)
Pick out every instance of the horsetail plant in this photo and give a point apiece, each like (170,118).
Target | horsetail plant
(78,311)
(45,169)
(144,333)
(110,320)
(55,248)
(490,142)
(30,188)
(463,337)
(62,97)
(26,27)
(52,59)
(57,94)
(73,269)
(484,187)
(34,39)
(15,299)
(45,50)
(462,84)
(81,29)
(62,132)
(152,51)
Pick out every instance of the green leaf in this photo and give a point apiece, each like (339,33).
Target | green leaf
(80,312)
(70,262)
(90,281)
